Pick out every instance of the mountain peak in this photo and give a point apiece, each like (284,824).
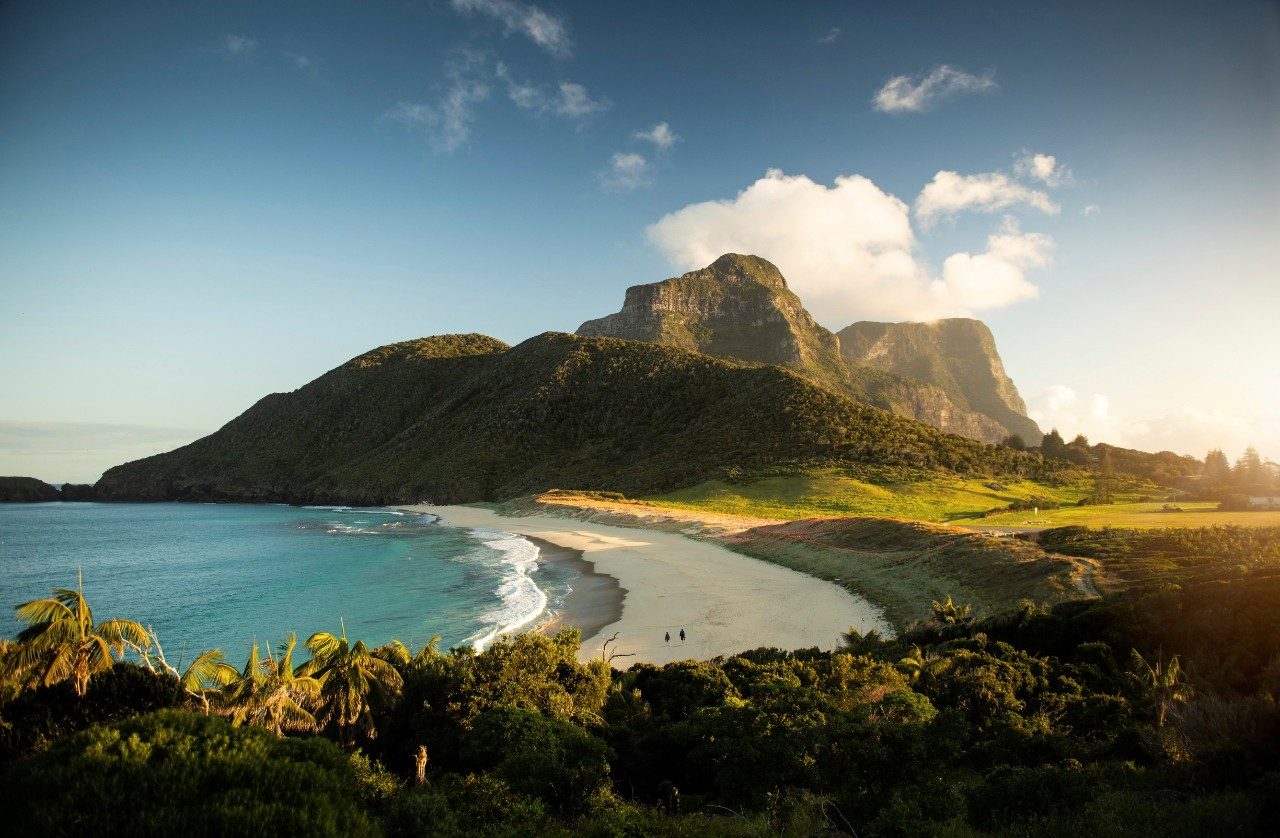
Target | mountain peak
(745,266)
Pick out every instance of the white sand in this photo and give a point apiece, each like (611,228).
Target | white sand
(725,601)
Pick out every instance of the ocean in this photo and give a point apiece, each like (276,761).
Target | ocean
(222,575)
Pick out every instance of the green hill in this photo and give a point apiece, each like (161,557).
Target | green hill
(464,418)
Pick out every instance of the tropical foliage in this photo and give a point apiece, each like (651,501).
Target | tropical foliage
(1151,710)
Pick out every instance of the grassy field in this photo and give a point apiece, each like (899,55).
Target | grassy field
(835,493)
(1128,515)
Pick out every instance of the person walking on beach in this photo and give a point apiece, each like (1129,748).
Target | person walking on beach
(681,635)
(667,638)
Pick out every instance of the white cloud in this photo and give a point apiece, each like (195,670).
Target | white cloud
(904,94)
(239,46)
(1186,430)
(573,101)
(544,29)
(997,276)
(625,172)
(447,122)
(831,36)
(1044,168)
(1091,209)
(570,99)
(660,135)
(848,250)
(950,192)
(303,63)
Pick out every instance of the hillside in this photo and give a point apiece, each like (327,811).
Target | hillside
(957,355)
(739,307)
(26,490)
(463,418)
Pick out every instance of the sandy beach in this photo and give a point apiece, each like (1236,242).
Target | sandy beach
(726,602)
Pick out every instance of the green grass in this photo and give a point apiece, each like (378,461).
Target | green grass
(1140,515)
(836,492)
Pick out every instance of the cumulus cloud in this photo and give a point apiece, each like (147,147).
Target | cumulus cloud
(831,36)
(848,250)
(1044,168)
(239,46)
(950,192)
(660,135)
(997,276)
(549,32)
(626,172)
(447,121)
(570,99)
(904,94)
(1091,209)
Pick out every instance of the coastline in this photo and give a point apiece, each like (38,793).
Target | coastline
(726,601)
(594,600)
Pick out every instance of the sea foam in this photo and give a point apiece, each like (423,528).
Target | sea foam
(522,600)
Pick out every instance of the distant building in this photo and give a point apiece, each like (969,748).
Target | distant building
(1264,502)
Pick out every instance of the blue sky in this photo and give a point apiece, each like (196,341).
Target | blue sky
(201,203)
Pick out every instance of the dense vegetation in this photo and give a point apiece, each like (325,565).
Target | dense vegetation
(1149,711)
(26,490)
(462,418)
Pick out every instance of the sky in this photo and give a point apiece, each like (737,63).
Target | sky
(202,203)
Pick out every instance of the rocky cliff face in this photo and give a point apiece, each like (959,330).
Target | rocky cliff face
(957,355)
(739,307)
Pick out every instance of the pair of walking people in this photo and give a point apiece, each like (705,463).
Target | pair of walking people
(667,637)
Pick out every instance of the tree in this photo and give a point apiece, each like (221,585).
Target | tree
(1052,446)
(1104,478)
(1217,470)
(1015,441)
(1160,682)
(1250,474)
(354,681)
(271,694)
(62,642)
(949,613)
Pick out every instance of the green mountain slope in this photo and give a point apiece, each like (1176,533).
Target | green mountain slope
(462,418)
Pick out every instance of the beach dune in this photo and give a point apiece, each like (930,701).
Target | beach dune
(725,602)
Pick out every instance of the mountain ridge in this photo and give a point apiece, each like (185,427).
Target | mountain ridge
(464,418)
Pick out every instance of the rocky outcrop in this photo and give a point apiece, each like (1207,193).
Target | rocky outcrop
(78,492)
(737,307)
(740,307)
(957,355)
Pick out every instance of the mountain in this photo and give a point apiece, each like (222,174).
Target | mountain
(740,307)
(464,417)
(957,355)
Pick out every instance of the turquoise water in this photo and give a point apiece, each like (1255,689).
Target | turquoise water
(219,575)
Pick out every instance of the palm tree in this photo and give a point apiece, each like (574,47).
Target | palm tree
(1161,682)
(62,642)
(354,680)
(950,612)
(271,694)
(207,673)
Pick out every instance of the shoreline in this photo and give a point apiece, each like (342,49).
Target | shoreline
(594,599)
(726,601)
